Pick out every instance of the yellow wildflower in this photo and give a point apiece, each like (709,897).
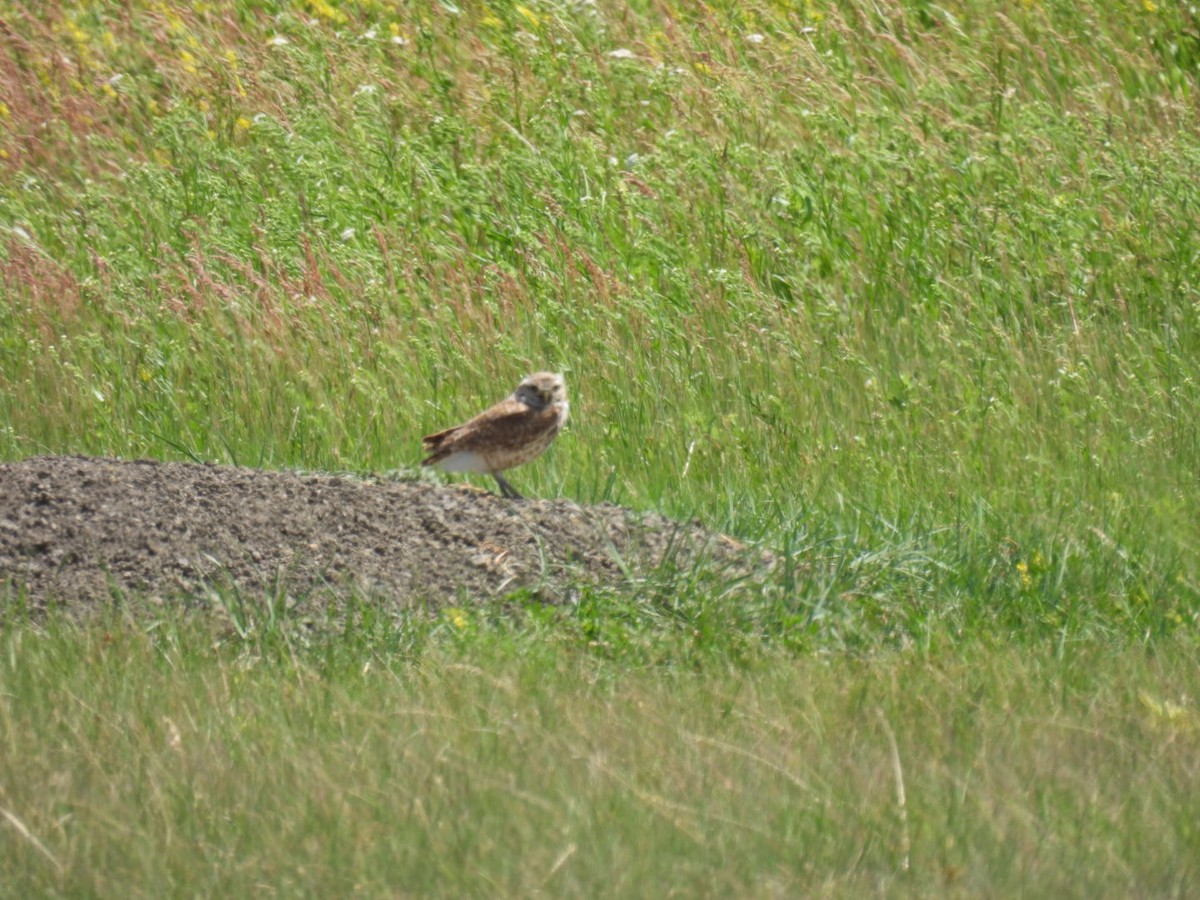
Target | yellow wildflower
(528,15)
(1167,712)
(323,10)
(1025,577)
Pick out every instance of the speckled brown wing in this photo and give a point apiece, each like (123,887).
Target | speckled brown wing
(510,430)
(474,432)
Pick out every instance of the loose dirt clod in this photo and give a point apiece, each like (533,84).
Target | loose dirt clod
(80,531)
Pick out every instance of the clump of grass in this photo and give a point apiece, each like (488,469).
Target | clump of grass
(478,758)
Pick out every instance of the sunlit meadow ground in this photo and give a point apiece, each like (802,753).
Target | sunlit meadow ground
(909,292)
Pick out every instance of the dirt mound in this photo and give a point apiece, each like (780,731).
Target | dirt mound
(82,531)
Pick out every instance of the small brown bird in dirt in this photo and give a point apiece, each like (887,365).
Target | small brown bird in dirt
(517,429)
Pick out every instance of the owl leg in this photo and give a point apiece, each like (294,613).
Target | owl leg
(505,488)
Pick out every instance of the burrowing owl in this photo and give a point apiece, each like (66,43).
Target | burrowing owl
(514,431)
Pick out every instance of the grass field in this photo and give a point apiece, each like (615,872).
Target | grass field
(909,292)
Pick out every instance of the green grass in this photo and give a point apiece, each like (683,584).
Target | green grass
(908,291)
(155,764)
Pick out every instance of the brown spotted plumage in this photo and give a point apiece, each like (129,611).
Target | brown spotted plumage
(514,431)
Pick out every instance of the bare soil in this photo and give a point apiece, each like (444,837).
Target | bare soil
(82,532)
